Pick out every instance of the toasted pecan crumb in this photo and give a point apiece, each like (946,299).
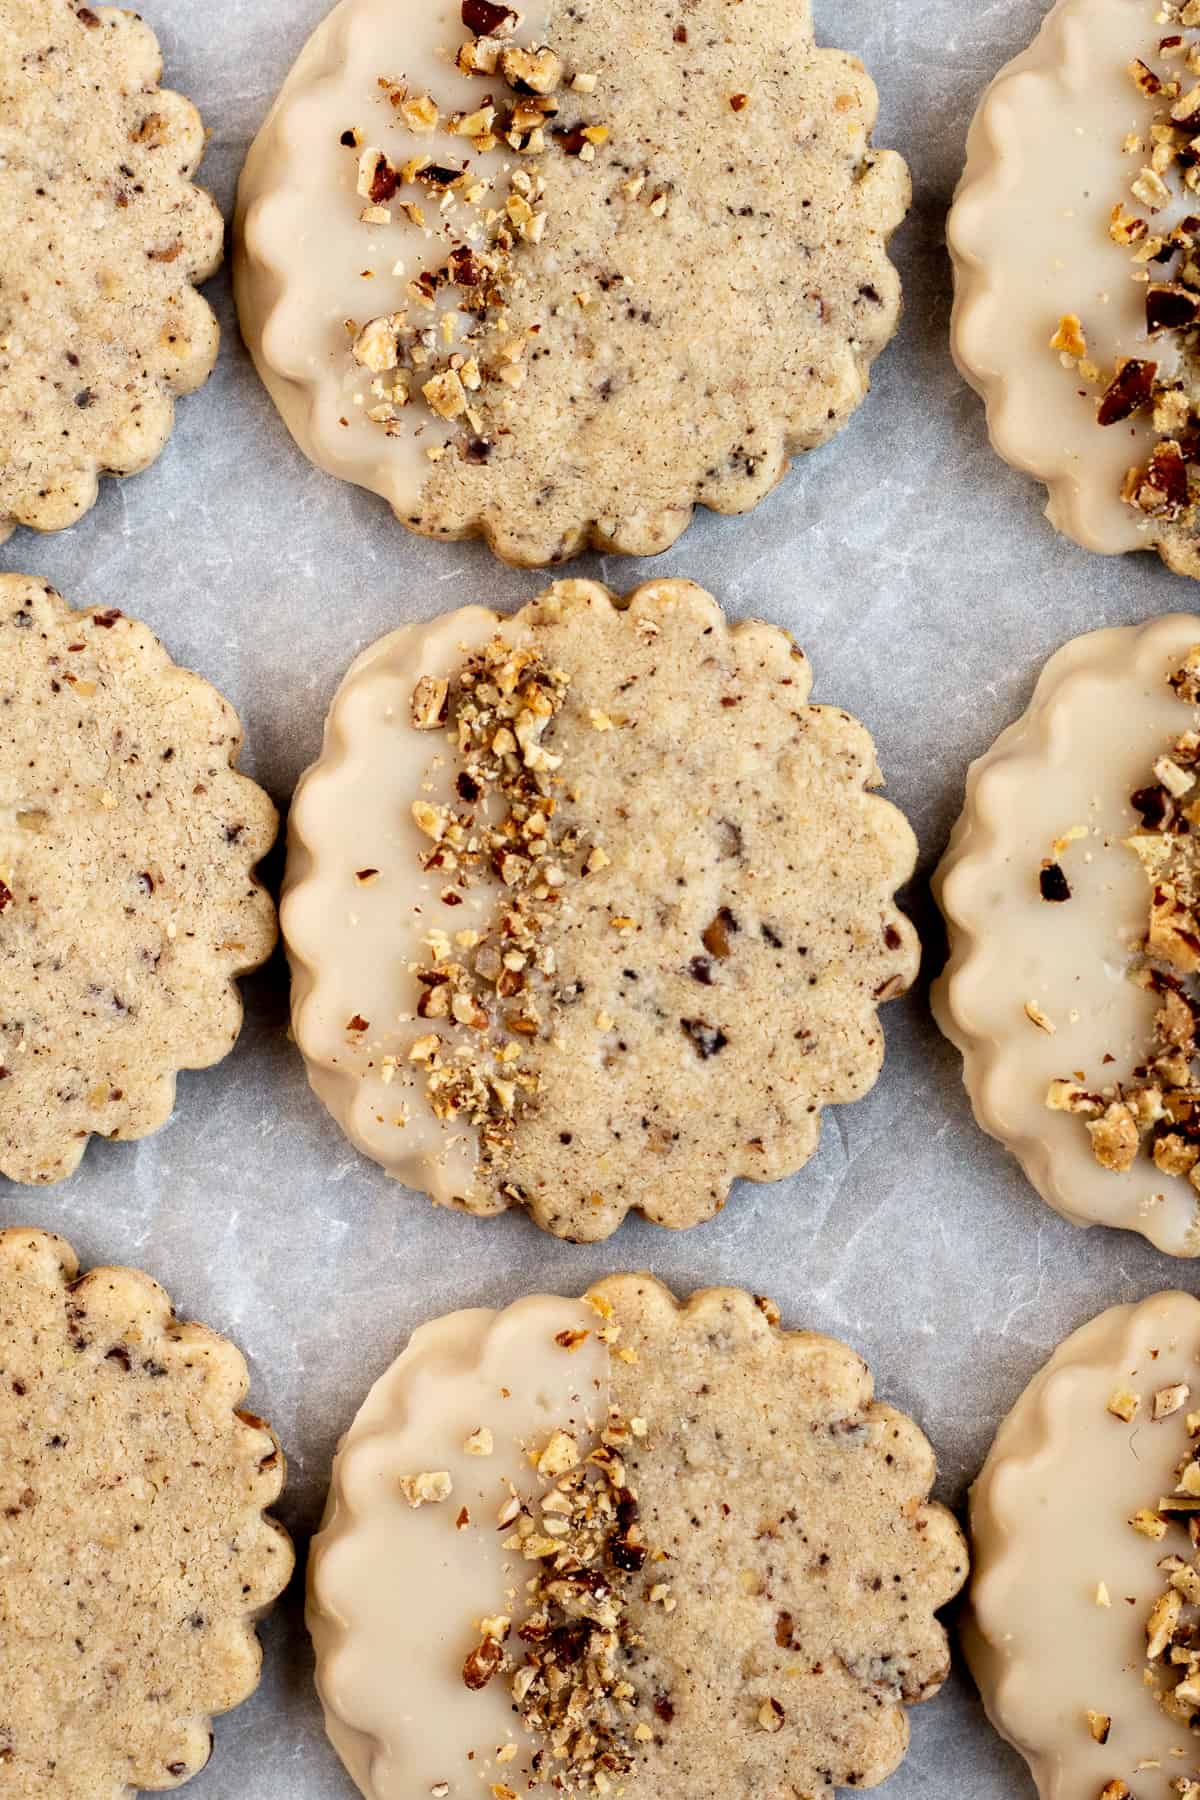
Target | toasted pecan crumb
(430,1488)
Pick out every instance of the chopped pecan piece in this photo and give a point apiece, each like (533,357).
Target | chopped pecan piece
(488,19)
(1131,388)
(1170,307)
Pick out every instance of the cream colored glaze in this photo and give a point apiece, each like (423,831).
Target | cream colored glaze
(1028,232)
(394,1593)
(301,246)
(1100,715)
(1048,1522)
(374,753)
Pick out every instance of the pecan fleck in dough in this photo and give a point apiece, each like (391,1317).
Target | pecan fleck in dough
(102,236)
(136,1548)
(659,249)
(128,901)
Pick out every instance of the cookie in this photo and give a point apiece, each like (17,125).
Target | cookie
(1082,1620)
(1070,890)
(137,1552)
(556,277)
(588,909)
(102,238)
(1077,274)
(620,1545)
(128,901)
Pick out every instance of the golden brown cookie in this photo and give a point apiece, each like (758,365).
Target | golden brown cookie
(1071,891)
(589,909)
(643,1548)
(128,900)
(102,238)
(136,1549)
(555,278)
(1077,280)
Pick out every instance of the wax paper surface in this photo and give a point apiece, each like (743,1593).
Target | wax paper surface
(919,575)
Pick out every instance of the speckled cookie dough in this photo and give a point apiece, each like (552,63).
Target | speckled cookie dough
(645,1549)
(588,909)
(102,235)
(555,277)
(128,901)
(137,1554)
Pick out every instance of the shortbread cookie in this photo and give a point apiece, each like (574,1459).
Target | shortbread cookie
(1072,892)
(128,902)
(1083,1628)
(1076,245)
(588,909)
(137,1554)
(621,1546)
(102,235)
(556,277)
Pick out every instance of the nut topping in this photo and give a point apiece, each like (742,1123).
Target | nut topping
(1157,1111)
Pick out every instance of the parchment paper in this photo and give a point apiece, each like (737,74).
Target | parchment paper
(919,575)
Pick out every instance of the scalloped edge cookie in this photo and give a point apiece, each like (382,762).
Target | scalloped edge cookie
(1050,296)
(697,903)
(439,1438)
(986,884)
(151,335)
(105,1078)
(1049,1631)
(116,1329)
(638,491)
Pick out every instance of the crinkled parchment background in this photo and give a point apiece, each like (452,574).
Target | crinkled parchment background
(919,575)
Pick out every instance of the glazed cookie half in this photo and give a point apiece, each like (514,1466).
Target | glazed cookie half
(620,1545)
(128,900)
(589,909)
(1074,235)
(136,1547)
(102,237)
(1070,890)
(481,277)
(1082,1625)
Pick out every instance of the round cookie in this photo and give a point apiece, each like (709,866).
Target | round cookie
(1068,889)
(588,909)
(555,278)
(619,1545)
(1082,1625)
(136,1548)
(102,236)
(1077,277)
(128,901)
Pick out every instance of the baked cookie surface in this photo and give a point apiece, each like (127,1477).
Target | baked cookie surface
(563,297)
(1068,889)
(128,901)
(642,1547)
(1077,278)
(102,235)
(1082,1622)
(137,1552)
(589,909)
